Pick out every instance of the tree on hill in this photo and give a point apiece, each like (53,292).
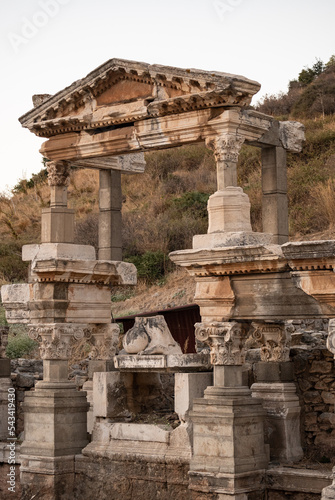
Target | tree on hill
(311,94)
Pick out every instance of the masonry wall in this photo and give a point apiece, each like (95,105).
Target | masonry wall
(315,379)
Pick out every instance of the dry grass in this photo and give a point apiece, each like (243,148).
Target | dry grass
(324,198)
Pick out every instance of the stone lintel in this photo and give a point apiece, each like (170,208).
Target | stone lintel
(231,239)
(172,363)
(163,132)
(60,251)
(231,260)
(84,271)
(127,164)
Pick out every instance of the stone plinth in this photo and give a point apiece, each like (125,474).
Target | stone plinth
(66,433)
(141,441)
(229,210)
(229,454)
(172,363)
(55,428)
(228,442)
(281,403)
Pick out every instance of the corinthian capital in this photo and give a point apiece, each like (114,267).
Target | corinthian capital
(273,339)
(59,340)
(225,340)
(58,173)
(226,147)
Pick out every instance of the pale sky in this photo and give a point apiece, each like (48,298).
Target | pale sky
(48,44)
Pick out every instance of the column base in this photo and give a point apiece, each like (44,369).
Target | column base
(55,421)
(283,419)
(221,239)
(47,478)
(229,454)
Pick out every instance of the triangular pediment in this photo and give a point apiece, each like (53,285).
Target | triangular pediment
(121,92)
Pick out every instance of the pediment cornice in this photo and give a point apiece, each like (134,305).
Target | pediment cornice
(119,92)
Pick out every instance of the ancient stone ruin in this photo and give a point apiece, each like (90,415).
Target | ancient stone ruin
(231,442)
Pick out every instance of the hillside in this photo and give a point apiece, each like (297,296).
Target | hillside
(164,207)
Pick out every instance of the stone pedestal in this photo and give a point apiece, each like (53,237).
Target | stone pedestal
(282,407)
(274,386)
(58,220)
(55,430)
(229,454)
(229,211)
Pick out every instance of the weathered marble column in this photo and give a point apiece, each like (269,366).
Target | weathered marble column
(229,207)
(274,188)
(58,219)
(329,492)
(110,218)
(229,454)
(68,301)
(55,425)
(276,388)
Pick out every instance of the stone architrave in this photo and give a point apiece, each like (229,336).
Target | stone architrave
(228,424)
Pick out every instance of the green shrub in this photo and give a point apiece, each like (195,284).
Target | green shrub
(12,268)
(20,344)
(193,202)
(3,321)
(151,266)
